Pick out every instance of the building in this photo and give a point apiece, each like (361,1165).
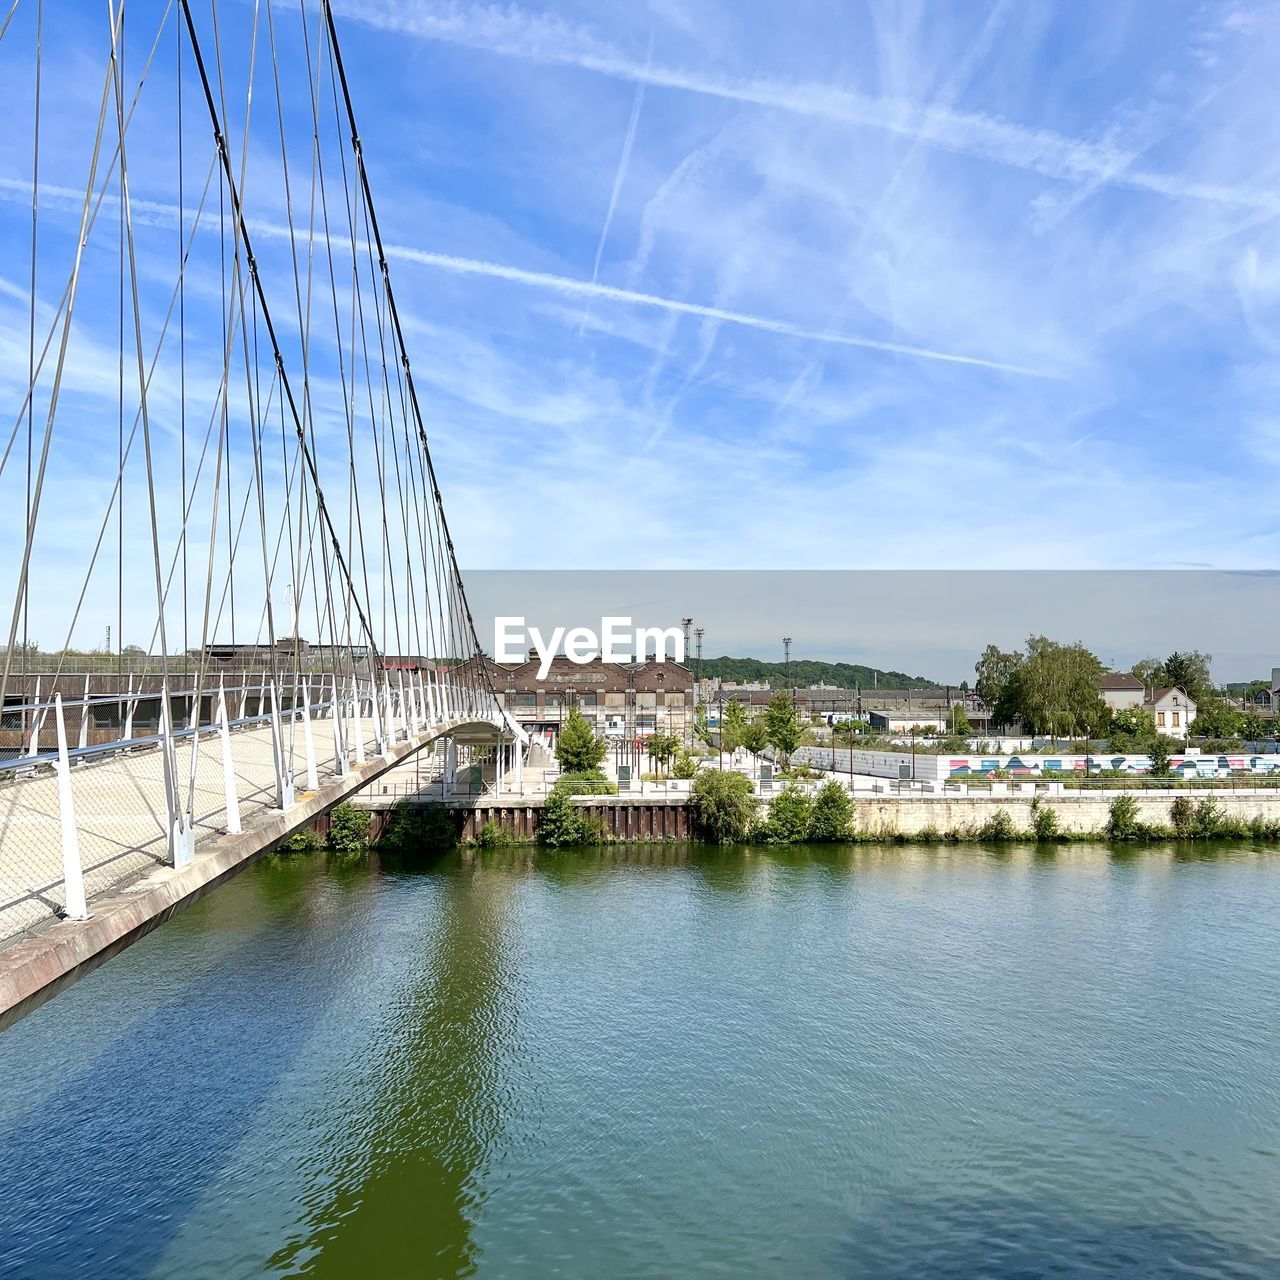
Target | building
(618,699)
(1121,691)
(903,721)
(1173,711)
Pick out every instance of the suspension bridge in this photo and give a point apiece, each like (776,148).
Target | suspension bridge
(230,598)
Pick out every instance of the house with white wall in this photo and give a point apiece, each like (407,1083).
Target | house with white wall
(1121,690)
(1172,709)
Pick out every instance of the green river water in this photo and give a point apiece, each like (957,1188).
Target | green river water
(669,1062)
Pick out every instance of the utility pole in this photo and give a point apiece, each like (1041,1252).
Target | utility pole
(786,649)
(699,632)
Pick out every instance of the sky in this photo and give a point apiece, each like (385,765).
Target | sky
(723,284)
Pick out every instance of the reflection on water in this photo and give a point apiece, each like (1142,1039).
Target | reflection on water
(396,1178)
(669,1060)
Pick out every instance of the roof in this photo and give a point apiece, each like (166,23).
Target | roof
(1115,681)
(1160,694)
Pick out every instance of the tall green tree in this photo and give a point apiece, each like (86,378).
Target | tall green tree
(578,749)
(782,725)
(958,720)
(755,737)
(732,724)
(1217,718)
(701,726)
(996,684)
(1190,671)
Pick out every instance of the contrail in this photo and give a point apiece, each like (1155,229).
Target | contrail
(17,189)
(619,177)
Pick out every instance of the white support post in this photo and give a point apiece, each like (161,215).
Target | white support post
(450,767)
(308,738)
(357,721)
(84,717)
(37,719)
(388,718)
(182,845)
(406,720)
(339,724)
(379,735)
(499,756)
(72,873)
(519,754)
(284,775)
(229,792)
(128,712)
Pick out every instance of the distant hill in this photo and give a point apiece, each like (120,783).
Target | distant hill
(807,671)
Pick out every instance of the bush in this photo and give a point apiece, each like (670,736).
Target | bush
(685,766)
(1182,817)
(563,823)
(1211,819)
(1044,822)
(490,836)
(1122,819)
(832,817)
(304,841)
(349,829)
(789,818)
(414,828)
(586,783)
(998,827)
(723,805)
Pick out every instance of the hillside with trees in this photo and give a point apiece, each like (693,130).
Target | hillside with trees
(807,671)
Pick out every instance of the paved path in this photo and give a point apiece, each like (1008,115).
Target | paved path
(121,816)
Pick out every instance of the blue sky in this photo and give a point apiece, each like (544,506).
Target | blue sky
(724,284)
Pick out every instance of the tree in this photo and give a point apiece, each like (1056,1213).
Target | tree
(578,750)
(958,720)
(755,737)
(562,822)
(1253,727)
(832,817)
(1132,730)
(1056,688)
(996,684)
(701,727)
(1217,718)
(1159,753)
(782,725)
(732,724)
(1190,671)
(723,805)
(790,815)
(1150,671)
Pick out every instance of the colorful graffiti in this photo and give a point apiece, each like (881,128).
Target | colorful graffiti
(1184,766)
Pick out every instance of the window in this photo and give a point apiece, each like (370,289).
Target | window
(587,700)
(1160,719)
(675,699)
(1175,719)
(555,700)
(526,699)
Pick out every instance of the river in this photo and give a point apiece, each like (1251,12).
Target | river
(668,1062)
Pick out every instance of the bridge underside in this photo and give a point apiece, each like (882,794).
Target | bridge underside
(121,829)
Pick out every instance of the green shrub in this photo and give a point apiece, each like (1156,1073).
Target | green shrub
(1122,819)
(998,827)
(590,782)
(578,749)
(490,835)
(1182,817)
(685,766)
(790,815)
(832,817)
(564,823)
(414,828)
(304,841)
(349,829)
(1044,822)
(1211,819)
(723,805)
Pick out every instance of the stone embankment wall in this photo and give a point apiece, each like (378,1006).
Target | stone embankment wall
(1078,814)
(890,816)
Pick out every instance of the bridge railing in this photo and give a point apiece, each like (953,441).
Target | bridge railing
(78,818)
